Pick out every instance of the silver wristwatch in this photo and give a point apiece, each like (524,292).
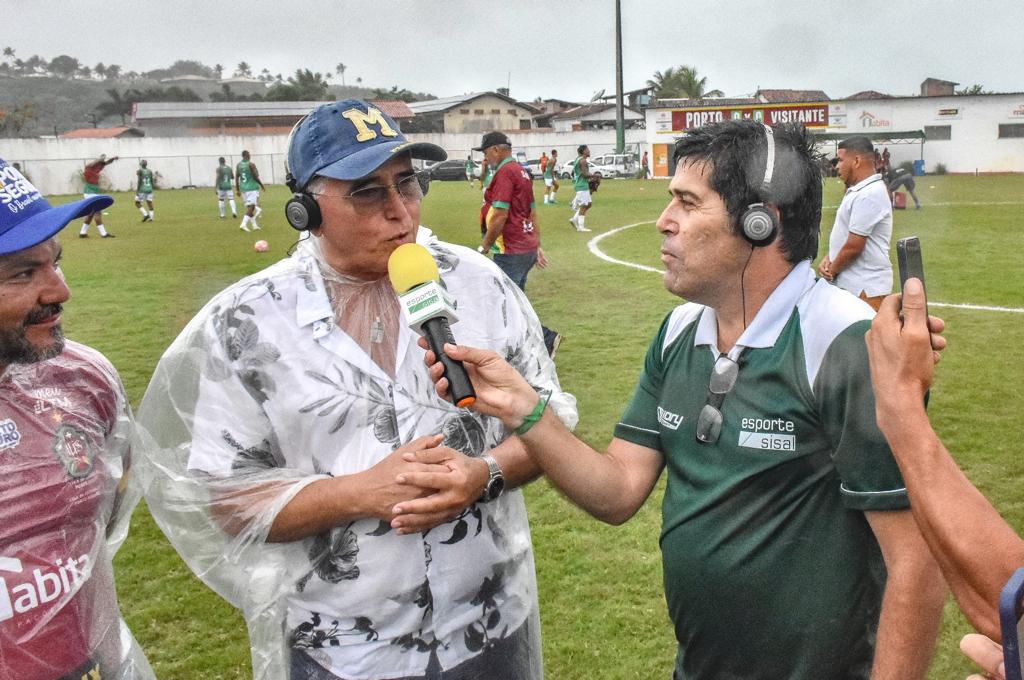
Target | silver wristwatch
(495,481)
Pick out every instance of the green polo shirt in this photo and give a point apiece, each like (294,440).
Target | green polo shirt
(771,569)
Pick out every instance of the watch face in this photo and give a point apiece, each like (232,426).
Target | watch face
(495,487)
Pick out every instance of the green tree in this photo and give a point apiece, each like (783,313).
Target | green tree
(13,121)
(218,69)
(100,70)
(119,104)
(395,93)
(340,70)
(243,70)
(113,72)
(9,53)
(977,88)
(681,82)
(304,86)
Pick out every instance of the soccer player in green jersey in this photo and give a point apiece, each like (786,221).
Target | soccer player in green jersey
(581,183)
(225,176)
(788,546)
(144,191)
(248,186)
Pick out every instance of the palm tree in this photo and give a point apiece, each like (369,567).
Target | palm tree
(219,70)
(340,70)
(9,53)
(681,82)
(359,80)
(243,70)
(100,70)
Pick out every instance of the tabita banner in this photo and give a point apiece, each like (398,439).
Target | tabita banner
(810,115)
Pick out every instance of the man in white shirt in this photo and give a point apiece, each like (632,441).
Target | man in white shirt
(858,249)
(282,421)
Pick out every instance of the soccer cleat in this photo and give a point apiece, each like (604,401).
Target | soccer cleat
(244,228)
(582,229)
(83,236)
(108,235)
(255,227)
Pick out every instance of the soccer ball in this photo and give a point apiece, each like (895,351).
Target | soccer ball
(261,246)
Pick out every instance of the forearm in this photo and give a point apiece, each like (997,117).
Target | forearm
(909,623)
(323,505)
(975,548)
(847,254)
(515,462)
(601,484)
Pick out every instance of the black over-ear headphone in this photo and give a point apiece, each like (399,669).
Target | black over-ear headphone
(302,211)
(759,223)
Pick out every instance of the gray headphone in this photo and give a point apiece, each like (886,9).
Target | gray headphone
(759,223)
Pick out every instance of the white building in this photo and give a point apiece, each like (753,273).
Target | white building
(965,133)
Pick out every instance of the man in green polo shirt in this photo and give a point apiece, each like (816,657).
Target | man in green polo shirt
(789,550)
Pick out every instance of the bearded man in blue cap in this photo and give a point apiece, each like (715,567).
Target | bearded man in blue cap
(301,462)
(65,430)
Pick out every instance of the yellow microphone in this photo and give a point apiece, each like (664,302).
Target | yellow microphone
(429,310)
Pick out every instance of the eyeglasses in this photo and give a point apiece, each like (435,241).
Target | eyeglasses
(723,378)
(410,189)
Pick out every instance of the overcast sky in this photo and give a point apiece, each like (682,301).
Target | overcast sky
(558,48)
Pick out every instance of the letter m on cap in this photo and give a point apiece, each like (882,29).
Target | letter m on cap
(363,121)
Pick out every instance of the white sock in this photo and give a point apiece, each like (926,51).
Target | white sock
(143,211)
(231,202)
(581,222)
(220,206)
(102,229)
(85,228)
(152,215)
(575,217)
(245,222)
(257,213)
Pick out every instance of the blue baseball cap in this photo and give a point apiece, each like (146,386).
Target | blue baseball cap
(27,219)
(348,140)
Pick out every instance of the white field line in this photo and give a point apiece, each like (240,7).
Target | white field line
(594,246)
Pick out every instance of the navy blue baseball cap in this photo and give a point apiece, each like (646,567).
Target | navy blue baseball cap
(27,219)
(348,140)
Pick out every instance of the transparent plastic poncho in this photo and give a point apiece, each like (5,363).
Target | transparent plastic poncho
(270,388)
(65,456)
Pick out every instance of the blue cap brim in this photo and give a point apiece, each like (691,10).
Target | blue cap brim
(362,163)
(36,229)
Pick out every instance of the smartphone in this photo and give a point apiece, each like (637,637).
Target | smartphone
(908,257)
(1011,607)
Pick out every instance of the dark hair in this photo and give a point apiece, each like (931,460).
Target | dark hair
(580,149)
(244,154)
(735,152)
(554,152)
(221,159)
(859,145)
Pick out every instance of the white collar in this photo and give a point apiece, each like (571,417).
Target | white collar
(864,182)
(769,321)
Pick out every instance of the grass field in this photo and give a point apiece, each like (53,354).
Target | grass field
(600,587)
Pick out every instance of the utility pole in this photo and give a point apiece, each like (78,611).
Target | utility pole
(620,127)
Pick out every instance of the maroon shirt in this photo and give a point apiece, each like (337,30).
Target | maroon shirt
(58,606)
(511,189)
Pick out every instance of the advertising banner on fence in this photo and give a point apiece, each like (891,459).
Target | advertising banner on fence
(681,120)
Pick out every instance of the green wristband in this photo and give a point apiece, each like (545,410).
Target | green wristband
(535,415)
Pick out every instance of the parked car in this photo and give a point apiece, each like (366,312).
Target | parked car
(533,167)
(565,172)
(620,164)
(453,169)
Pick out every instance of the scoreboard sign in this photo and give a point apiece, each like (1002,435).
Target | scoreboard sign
(809,115)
